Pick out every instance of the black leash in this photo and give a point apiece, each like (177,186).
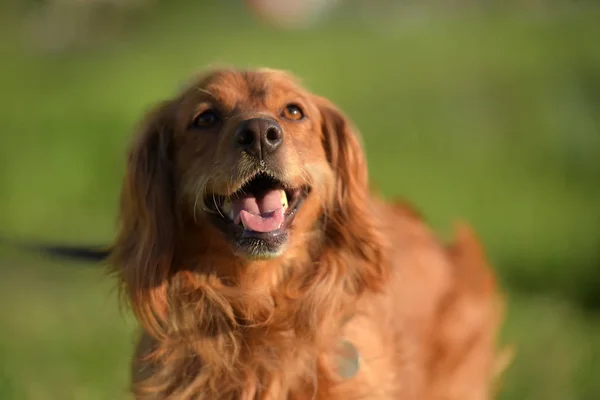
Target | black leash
(93,254)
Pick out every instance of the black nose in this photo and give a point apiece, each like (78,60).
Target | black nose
(259,136)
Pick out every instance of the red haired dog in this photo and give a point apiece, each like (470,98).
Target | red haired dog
(260,267)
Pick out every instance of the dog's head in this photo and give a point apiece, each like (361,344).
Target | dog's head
(251,166)
(249,154)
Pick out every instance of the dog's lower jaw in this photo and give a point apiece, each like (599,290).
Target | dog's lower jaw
(258,246)
(259,255)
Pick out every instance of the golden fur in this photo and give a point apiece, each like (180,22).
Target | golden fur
(220,326)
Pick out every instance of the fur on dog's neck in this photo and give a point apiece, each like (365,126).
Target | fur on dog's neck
(263,330)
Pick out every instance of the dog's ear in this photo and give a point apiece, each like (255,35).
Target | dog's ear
(352,224)
(143,252)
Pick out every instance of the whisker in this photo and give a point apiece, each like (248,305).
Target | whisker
(205,92)
(198,192)
(217,206)
(337,168)
(305,176)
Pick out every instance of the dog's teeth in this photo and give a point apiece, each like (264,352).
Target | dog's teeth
(284,199)
(227,208)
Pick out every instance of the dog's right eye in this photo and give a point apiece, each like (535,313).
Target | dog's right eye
(206,119)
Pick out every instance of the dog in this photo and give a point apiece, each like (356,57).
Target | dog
(259,265)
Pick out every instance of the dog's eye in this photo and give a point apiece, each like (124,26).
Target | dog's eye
(292,112)
(206,119)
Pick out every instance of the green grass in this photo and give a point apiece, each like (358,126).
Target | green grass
(62,336)
(491,118)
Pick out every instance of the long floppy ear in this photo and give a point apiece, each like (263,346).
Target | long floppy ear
(143,252)
(352,224)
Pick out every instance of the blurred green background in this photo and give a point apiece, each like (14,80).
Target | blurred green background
(486,113)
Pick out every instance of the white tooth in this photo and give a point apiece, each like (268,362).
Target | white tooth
(284,200)
(227,209)
(242,222)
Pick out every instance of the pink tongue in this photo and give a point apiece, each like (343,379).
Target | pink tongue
(260,214)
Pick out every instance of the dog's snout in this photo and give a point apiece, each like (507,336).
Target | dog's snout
(259,136)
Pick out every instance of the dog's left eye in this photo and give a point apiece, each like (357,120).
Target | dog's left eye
(292,112)
(206,119)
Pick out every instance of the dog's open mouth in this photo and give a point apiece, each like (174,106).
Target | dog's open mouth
(261,210)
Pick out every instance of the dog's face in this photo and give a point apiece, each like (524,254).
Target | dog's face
(249,150)
(250,156)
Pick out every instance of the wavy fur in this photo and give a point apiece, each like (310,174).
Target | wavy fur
(217,326)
